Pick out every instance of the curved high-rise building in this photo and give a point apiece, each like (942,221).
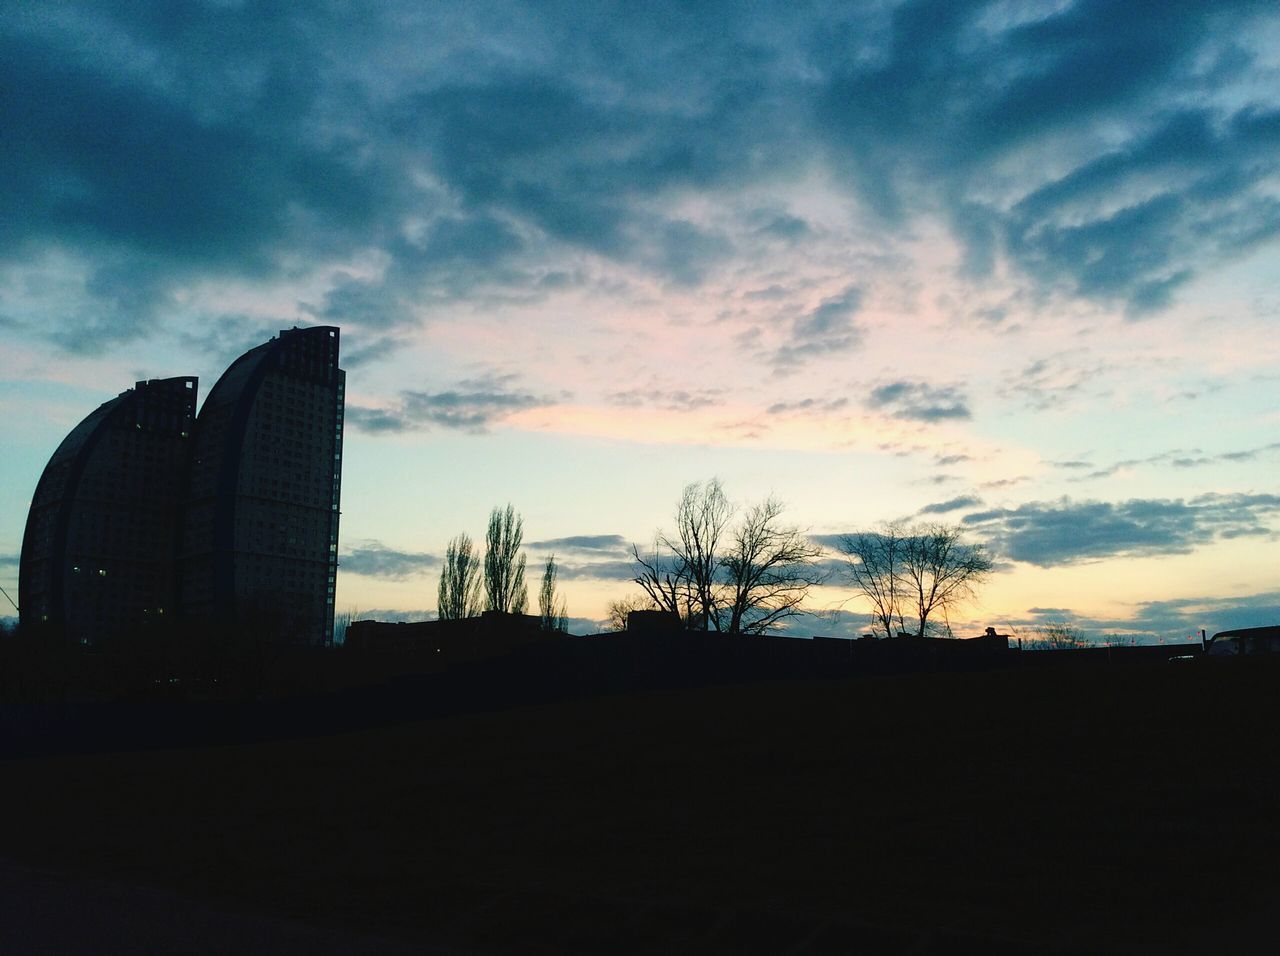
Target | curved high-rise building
(260,524)
(98,550)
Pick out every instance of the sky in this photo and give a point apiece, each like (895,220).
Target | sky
(1007,265)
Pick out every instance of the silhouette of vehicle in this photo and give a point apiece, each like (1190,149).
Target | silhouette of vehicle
(1244,642)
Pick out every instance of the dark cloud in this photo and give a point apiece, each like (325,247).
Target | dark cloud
(1006,482)
(1180,458)
(1187,615)
(923,101)
(373,559)
(159,149)
(781,225)
(1065,531)
(621,569)
(475,406)
(367,351)
(919,401)
(584,626)
(825,330)
(584,543)
(225,337)
(958,503)
(827,540)
(1169,621)
(394,615)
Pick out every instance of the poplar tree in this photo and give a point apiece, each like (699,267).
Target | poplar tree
(504,587)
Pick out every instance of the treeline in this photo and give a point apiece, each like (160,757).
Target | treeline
(744,570)
(734,570)
(472,581)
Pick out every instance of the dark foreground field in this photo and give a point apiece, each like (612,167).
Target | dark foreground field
(1115,809)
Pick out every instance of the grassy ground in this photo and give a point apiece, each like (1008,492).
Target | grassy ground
(1104,808)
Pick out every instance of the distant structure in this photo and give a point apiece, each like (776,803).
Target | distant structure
(98,550)
(229,518)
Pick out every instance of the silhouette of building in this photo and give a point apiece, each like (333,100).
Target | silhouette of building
(229,518)
(98,549)
(260,531)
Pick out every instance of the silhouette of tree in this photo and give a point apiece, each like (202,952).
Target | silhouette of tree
(702,516)
(757,578)
(925,570)
(616,619)
(684,578)
(940,571)
(459,593)
(555,611)
(343,621)
(770,569)
(1058,636)
(874,560)
(504,587)
(664,581)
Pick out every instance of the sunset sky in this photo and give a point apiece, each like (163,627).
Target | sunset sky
(1011,265)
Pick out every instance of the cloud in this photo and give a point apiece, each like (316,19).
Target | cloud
(675,400)
(1065,532)
(373,559)
(958,503)
(394,615)
(622,569)
(919,401)
(149,157)
(475,407)
(809,406)
(1172,621)
(826,329)
(1178,458)
(1126,159)
(1049,383)
(584,543)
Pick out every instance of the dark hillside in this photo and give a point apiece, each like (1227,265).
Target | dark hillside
(1056,808)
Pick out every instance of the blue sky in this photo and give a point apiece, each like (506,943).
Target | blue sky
(1008,264)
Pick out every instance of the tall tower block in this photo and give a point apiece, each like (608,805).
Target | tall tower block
(97,553)
(260,532)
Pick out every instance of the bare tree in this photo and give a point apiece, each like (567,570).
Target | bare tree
(874,560)
(504,587)
(616,619)
(1058,636)
(769,569)
(702,516)
(555,611)
(344,621)
(664,581)
(941,572)
(682,574)
(459,592)
(739,579)
(924,570)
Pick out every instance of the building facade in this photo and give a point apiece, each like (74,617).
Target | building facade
(260,526)
(228,518)
(99,545)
